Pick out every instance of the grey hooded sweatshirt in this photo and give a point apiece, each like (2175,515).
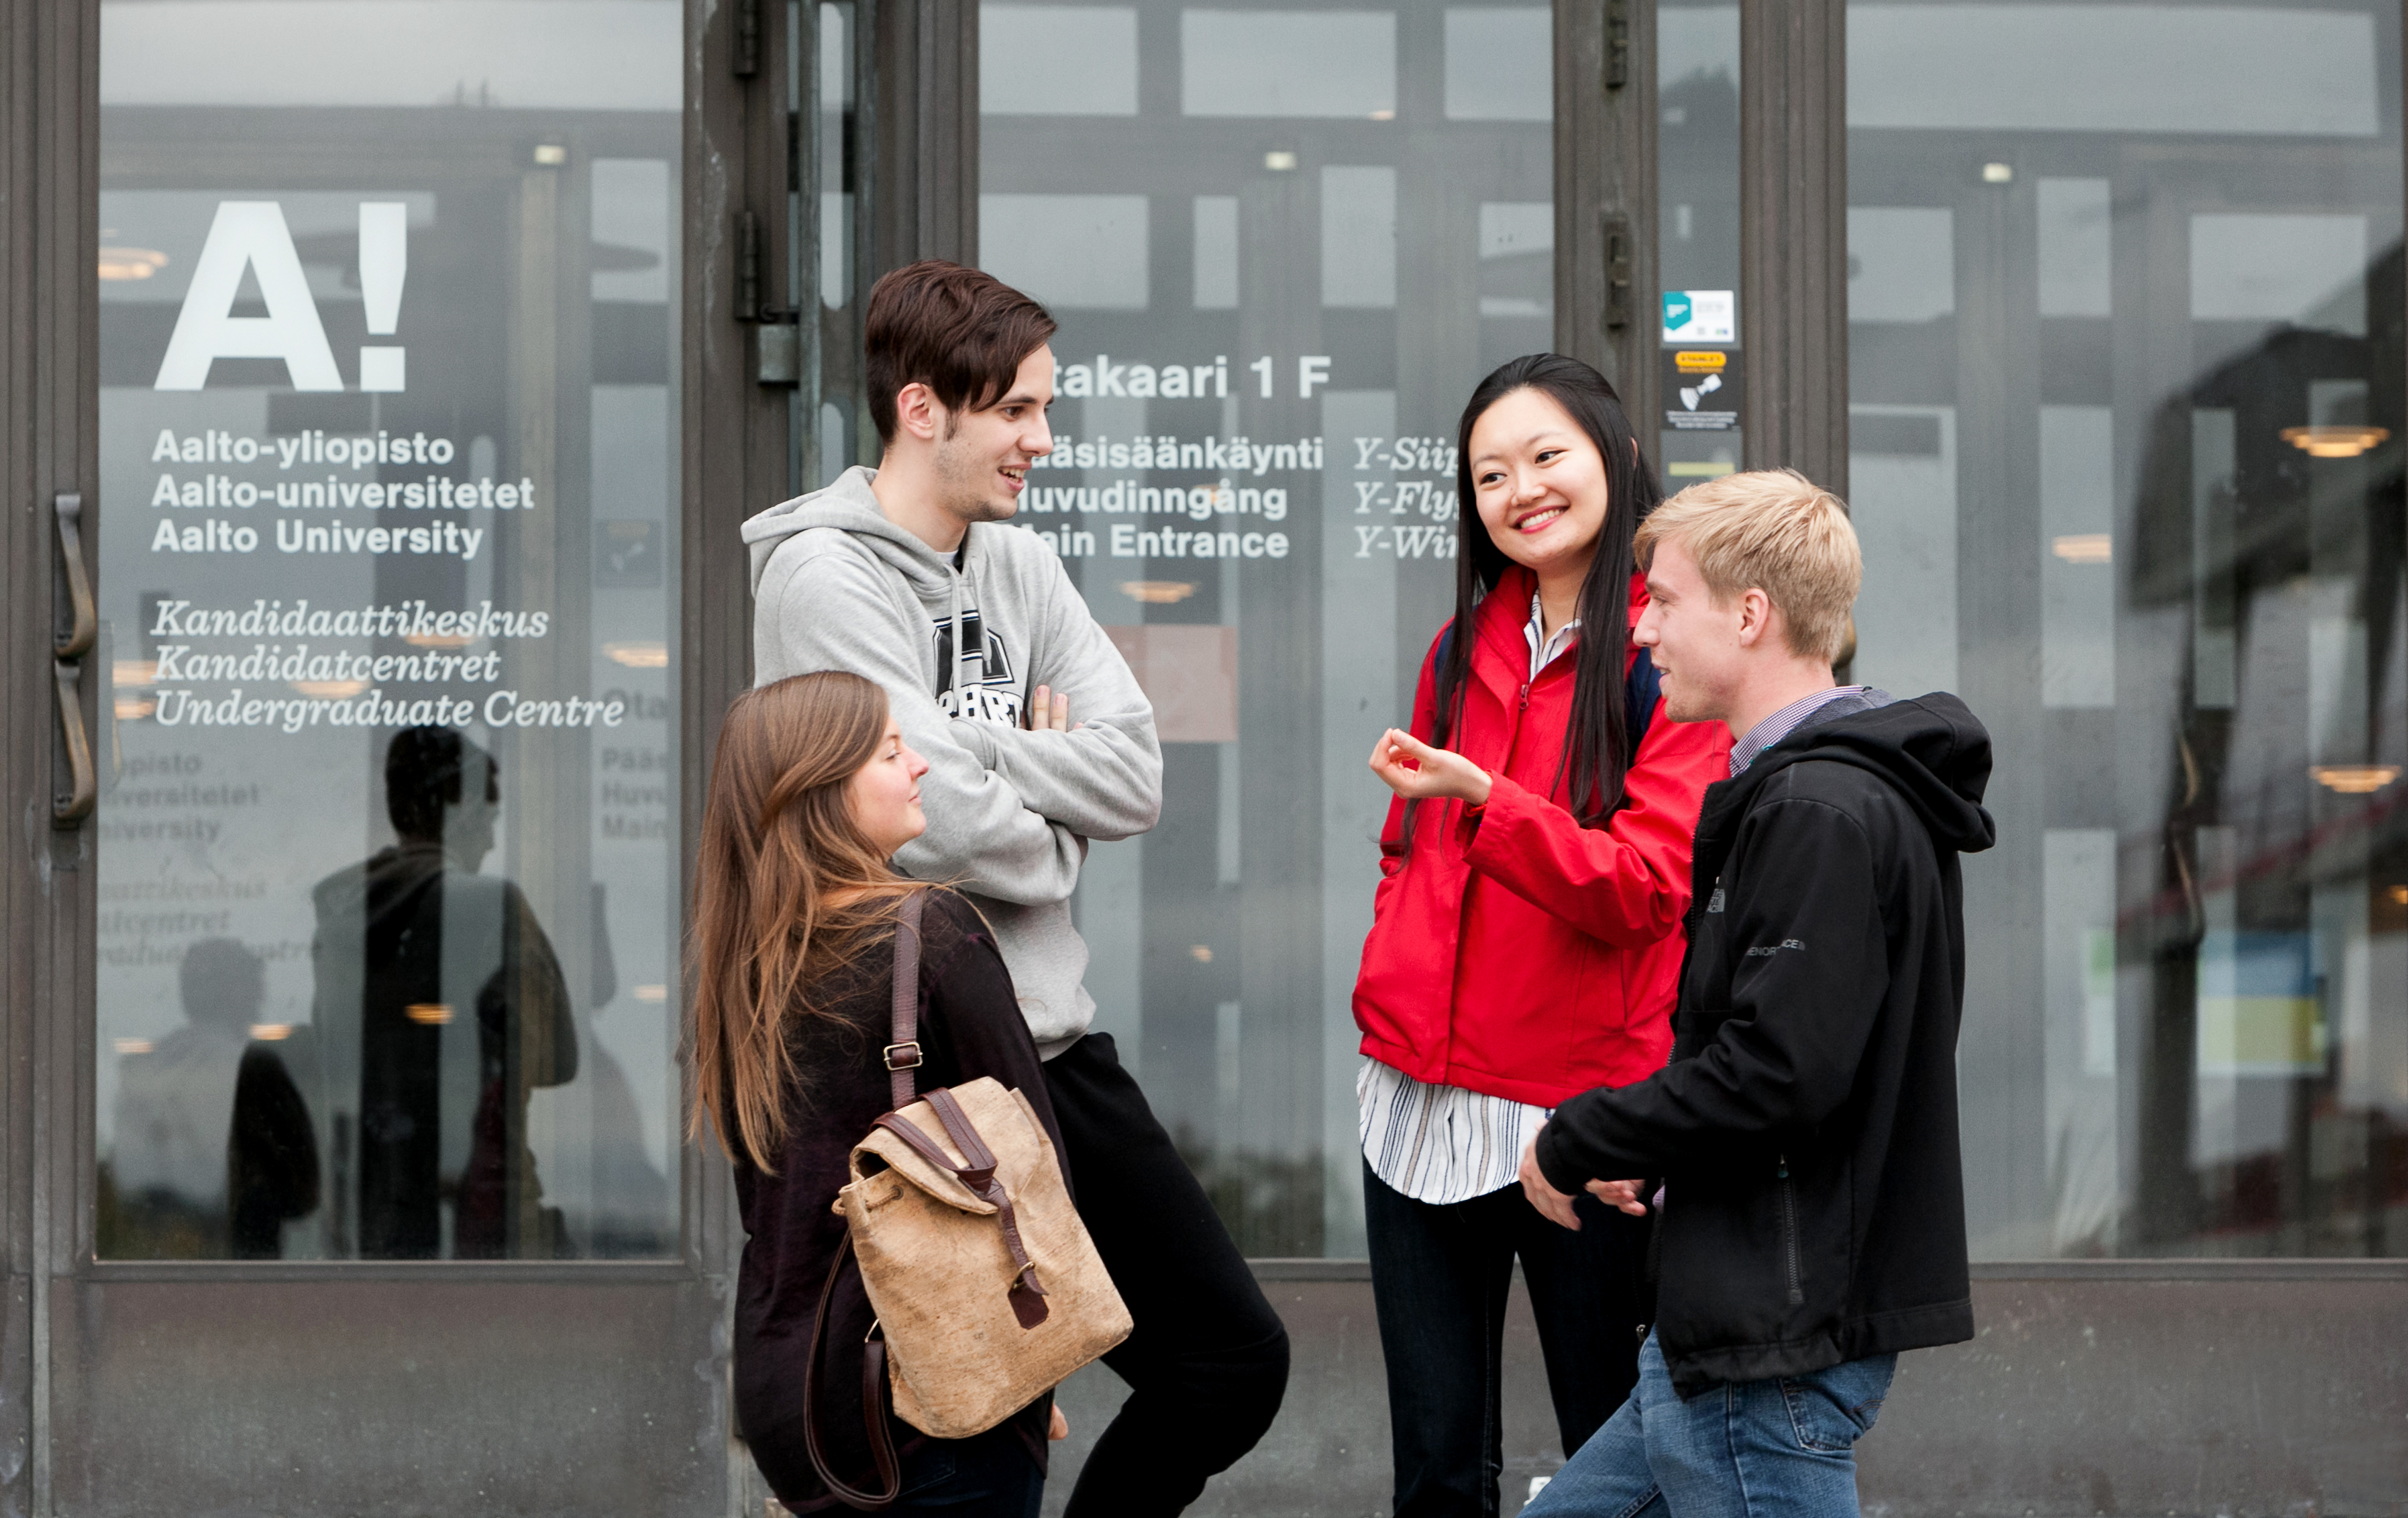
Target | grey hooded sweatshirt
(838,586)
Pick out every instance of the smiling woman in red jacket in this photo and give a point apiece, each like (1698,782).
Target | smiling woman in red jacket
(1525,936)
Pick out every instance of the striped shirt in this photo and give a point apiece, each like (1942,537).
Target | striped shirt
(1443,1144)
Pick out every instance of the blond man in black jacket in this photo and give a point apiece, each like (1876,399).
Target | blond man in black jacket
(1801,1146)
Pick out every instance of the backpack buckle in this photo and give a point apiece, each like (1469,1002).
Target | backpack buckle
(903,1056)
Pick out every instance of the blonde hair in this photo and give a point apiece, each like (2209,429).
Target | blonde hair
(1775,531)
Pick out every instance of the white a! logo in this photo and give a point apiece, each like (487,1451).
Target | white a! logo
(251,235)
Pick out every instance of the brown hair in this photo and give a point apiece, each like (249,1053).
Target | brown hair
(1775,531)
(961,332)
(779,839)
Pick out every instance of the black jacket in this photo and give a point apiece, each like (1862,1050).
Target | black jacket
(1806,1126)
(970,1026)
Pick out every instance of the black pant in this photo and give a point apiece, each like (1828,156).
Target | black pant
(1439,1277)
(988,1475)
(1208,1362)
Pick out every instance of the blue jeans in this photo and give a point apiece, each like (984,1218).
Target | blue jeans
(1781,1448)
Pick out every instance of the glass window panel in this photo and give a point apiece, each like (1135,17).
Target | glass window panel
(2127,416)
(832,150)
(1278,283)
(2290,69)
(1287,63)
(388,532)
(1077,253)
(1058,61)
(1696,237)
(1496,64)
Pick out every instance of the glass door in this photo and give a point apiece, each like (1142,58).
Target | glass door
(2125,308)
(386,1205)
(387,558)
(1284,245)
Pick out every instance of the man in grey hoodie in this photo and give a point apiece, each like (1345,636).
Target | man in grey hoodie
(1037,739)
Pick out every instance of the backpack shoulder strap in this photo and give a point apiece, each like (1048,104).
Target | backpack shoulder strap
(1641,689)
(903,1047)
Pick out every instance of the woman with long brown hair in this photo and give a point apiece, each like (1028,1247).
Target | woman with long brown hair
(792,964)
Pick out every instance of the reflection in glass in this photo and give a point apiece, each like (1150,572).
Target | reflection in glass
(1696,237)
(1284,245)
(2126,366)
(215,1148)
(387,548)
(844,434)
(440,1005)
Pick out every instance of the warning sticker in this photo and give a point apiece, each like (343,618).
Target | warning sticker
(1702,388)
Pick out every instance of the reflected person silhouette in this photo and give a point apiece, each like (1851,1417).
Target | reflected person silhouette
(213,1142)
(442,1006)
(271,1152)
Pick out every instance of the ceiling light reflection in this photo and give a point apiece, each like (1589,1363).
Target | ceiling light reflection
(2353,780)
(1157,592)
(638,655)
(131,262)
(2334,442)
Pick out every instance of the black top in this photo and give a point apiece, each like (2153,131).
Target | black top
(1806,1127)
(969,1026)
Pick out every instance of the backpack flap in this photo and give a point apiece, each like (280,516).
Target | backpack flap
(889,1156)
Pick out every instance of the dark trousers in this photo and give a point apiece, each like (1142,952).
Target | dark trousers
(1439,1277)
(989,1475)
(1208,1362)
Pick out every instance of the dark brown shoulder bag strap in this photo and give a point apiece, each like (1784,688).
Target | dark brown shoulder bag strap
(902,1058)
(873,1405)
(903,1047)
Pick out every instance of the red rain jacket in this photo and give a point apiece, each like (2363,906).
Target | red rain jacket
(1517,952)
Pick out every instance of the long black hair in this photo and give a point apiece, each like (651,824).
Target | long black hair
(1596,752)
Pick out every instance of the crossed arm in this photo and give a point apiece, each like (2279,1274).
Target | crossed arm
(1010,810)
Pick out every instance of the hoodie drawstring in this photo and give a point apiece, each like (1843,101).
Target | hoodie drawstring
(954,578)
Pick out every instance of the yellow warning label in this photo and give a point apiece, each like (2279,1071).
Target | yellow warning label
(1699,361)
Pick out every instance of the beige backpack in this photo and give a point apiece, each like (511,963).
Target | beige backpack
(987,1289)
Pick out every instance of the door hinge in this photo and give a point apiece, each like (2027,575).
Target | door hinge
(778,346)
(1617,270)
(1617,43)
(747,267)
(748,38)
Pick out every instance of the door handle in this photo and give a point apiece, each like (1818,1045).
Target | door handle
(71,806)
(1617,271)
(78,640)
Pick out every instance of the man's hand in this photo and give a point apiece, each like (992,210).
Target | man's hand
(1049,712)
(1436,775)
(1546,1198)
(1623,1195)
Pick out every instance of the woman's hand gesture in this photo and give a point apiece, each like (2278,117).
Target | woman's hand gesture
(1418,772)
